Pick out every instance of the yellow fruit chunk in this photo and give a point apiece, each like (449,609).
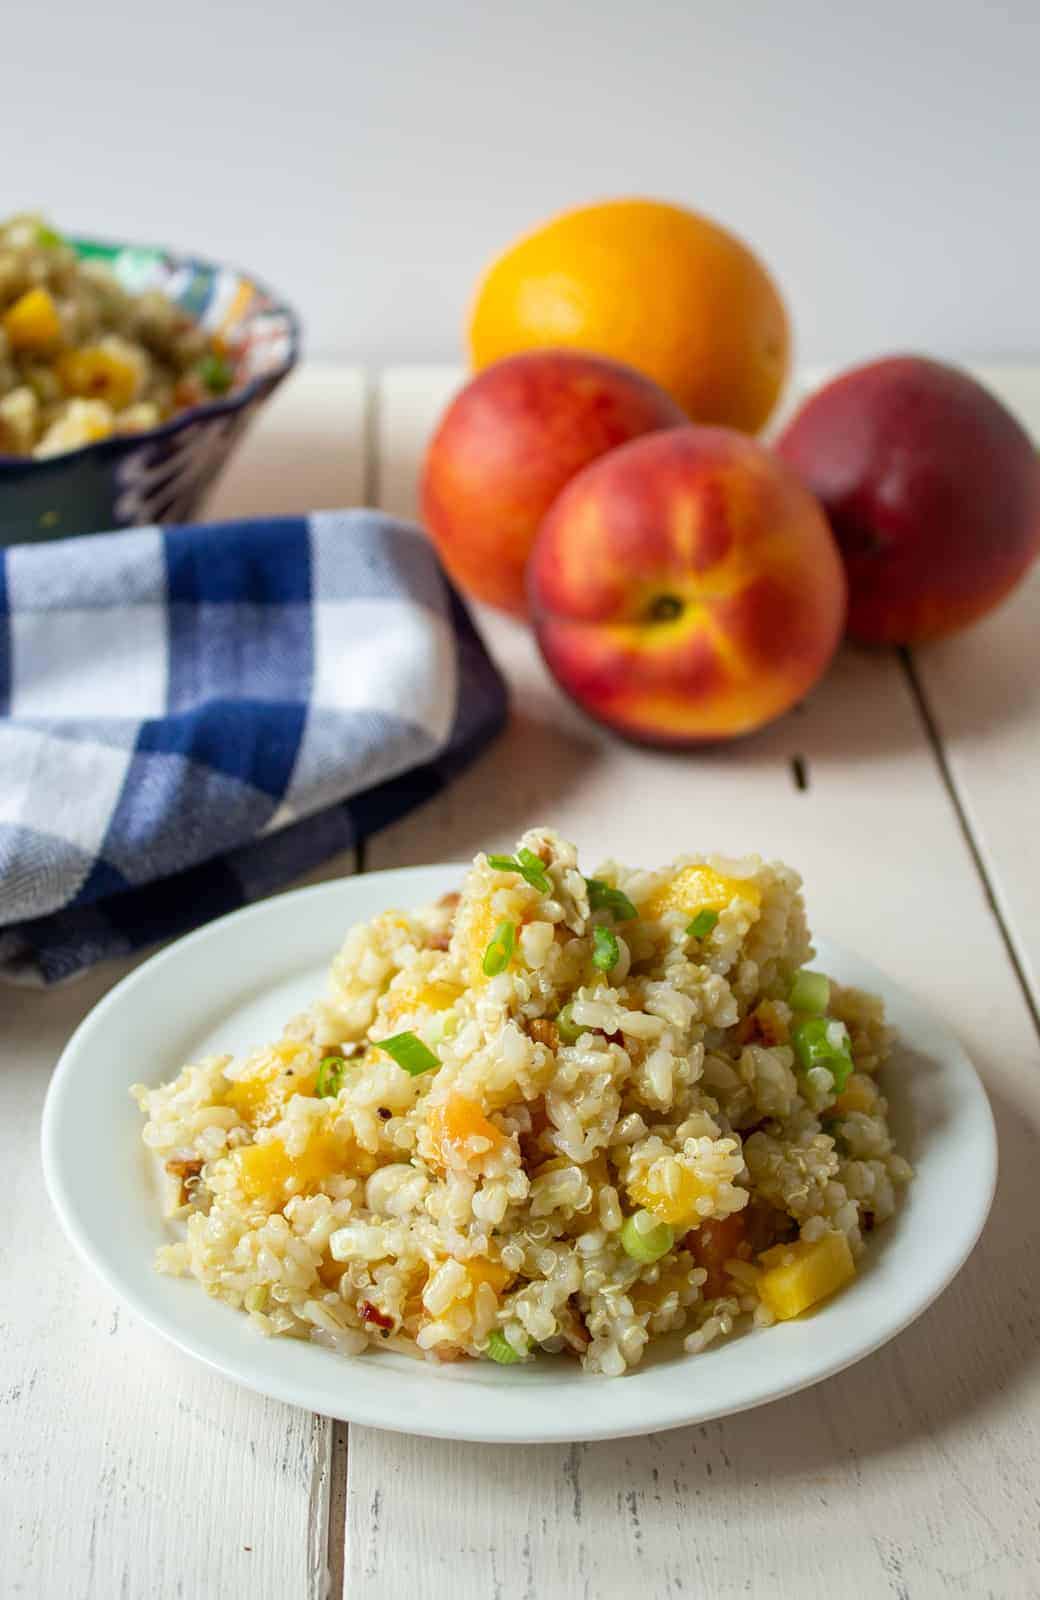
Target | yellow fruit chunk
(457,1121)
(859,1094)
(437,996)
(99,374)
(261,1098)
(32,323)
(668,1190)
(694,889)
(799,1275)
(265,1169)
(482,924)
(492,1272)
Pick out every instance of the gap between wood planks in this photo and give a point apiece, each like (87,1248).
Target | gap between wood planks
(931,728)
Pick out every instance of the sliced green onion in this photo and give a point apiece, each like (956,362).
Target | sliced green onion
(48,237)
(409,1052)
(529,867)
(499,952)
(702,924)
(644,1239)
(822,1042)
(570,1031)
(810,991)
(606,951)
(500,1350)
(215,373)
(604,897)
(330,1076)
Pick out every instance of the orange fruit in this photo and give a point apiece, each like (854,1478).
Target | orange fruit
(654,285)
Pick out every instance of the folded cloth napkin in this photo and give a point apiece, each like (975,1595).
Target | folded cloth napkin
(192,716)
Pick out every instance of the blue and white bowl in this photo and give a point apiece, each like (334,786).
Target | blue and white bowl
(161,475)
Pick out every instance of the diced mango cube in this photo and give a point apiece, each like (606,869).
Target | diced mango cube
(492,1272)
(482,924)
(859,1094)
(99,374)
(33,323)
(668,1189)
(265,1169)
(699,888)
(799,1275)
(434,996)
(261,1098)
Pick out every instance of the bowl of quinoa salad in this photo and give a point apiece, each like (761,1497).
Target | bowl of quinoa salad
(126,375)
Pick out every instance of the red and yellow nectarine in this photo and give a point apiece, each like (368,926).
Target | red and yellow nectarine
(932,489)
(507,445)
(687,588)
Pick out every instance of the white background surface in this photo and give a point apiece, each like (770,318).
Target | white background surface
(128,1469)
(367,159)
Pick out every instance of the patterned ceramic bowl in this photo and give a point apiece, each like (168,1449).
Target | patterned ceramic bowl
(163,474)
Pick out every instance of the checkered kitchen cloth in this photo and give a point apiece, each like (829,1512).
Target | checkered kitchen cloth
(192,716)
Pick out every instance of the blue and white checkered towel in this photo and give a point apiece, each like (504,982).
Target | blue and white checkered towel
(192,716)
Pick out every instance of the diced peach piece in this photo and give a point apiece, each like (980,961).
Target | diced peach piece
(668,1190)
(456,1122)
(800,1275)
(32,323)
(859,1094)
(699,888)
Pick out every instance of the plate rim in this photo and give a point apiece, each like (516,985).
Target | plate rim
(354,1407)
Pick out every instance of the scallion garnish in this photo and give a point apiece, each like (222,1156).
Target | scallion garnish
(604,897)
(499,1349)
(529,867)
(48,237)
(824,1042)
(499,952)
(810,991)
(409,1052)
(330,1076)
(215,373)
(605,949)
(570,1031)
(702,924)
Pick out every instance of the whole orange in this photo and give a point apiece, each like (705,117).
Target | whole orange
(654,285)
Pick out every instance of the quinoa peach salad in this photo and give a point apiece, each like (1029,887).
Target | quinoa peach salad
(549,1115)
(82,358)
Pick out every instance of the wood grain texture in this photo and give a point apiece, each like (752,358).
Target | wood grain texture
(983,689)
(913,1474)
(127,1469)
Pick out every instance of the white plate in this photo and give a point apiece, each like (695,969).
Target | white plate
(234,983)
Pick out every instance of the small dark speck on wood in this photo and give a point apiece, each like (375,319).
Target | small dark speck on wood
(800,772)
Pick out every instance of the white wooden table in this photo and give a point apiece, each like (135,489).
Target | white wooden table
(127,1470)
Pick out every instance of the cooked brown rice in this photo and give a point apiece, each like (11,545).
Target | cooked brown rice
(658,1158)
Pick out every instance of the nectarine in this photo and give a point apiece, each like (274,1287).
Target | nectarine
(932,489)
(686,587)
(507,445)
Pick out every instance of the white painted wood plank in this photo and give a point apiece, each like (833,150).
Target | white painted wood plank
(983,691)
(128,1469)
(912,1474)
(305,451)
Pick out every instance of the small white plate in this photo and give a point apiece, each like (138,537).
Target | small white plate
(233,984)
